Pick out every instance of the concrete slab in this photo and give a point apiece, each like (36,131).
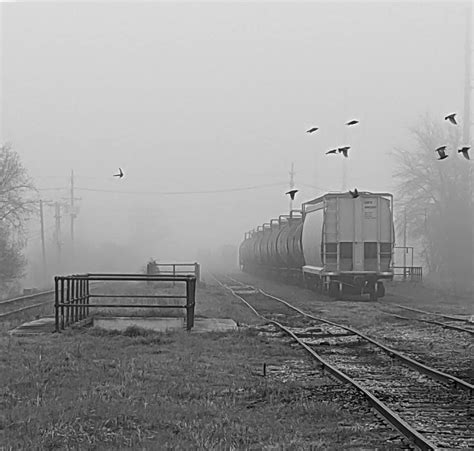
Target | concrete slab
(214,325)
(40,326)
(160,324)
(164,324)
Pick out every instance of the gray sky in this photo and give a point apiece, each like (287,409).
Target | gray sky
(190,97)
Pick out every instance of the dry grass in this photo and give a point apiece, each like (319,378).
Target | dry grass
(141,389)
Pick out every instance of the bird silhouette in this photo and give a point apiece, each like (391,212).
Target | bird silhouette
(311,130)
(353,122)
(120,174)
(292,193)
(344,150)
(442,153)
(450,118)
(331,151)
(354,193)
(464,152)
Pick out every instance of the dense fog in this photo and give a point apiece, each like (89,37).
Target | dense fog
(205,106)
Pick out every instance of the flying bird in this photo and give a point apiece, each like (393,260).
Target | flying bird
(442,153)
(353,122)
(464,152)
(450,118)
(344,150)
(292,193)
(354,193)
(311,130)
(120,174)
(331,151)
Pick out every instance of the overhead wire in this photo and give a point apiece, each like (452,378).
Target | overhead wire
(170,193)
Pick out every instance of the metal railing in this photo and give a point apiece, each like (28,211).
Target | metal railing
(412,273)
(73,295)
(175,269)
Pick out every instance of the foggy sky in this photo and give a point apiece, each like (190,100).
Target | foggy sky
(190,97)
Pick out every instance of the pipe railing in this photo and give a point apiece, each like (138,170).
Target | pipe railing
(73,295)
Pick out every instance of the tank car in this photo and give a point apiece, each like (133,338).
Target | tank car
(335,244)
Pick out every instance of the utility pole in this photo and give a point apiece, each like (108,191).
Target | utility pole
(43,247)
(467,77)
(468,122)
(57,217)
(72,208)
(292,183)
(404,244)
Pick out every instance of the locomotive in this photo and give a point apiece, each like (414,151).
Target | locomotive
(336,244)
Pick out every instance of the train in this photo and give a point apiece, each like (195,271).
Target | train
(335,244)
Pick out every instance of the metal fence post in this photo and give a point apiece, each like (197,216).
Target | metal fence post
(62,302)
(56,303)
(190,300)
(73,300)
(81,288)
(68,301)
(88,295)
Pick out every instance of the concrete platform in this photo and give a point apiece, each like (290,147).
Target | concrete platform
(46,325)
(165,324)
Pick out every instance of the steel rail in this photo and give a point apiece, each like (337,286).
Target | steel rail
(435,374)
(28,307)
(383,409)
(447,326)
(454,318)
(24,298)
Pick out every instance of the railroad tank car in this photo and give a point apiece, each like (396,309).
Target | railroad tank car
(335,244)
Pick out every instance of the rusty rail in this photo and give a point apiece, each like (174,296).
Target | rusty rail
(73,295)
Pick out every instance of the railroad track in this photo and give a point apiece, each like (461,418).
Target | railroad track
(454,322)
(431,408)
(16,306)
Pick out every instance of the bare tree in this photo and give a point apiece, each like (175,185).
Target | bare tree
(436,197)
(16,205)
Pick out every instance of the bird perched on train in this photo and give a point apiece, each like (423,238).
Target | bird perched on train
(312,130)
(292,193)
(451,118)
(331,151)
(120,174)
(344,150)
(464,152)
(354,193)
(353,122)
(441,152)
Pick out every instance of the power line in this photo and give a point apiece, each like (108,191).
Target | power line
(172,193)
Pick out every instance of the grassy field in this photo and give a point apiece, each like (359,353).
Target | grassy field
(91,389)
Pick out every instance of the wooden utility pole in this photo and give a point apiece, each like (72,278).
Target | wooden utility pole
(467,122)
(404,244)
(57,217)
(43,247)
(467,119)
(72,214)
